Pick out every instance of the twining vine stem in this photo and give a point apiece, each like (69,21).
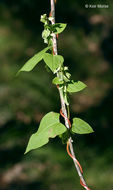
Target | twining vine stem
(64,111)
(65,86)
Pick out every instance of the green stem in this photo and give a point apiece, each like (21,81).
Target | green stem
(68,111)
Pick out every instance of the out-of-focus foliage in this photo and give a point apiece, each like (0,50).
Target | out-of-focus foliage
(87,45)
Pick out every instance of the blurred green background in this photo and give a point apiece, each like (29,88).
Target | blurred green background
(87,46)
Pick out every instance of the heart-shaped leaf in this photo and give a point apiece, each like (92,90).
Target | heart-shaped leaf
(58,27)
(81,127)
(50,127)
(75,86)
(53,61)
(31,63)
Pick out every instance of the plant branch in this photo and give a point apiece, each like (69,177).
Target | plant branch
(56,52)
(63,105)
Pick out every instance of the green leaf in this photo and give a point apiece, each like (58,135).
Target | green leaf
(45,33)
(50,127)
(81,127)
(54,62)
(31,63)
(44,19)
(58,27)
(75,86)
(56,81)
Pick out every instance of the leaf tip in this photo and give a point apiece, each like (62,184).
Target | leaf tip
(92,131)
(85,85)
(17,73)
(26,151)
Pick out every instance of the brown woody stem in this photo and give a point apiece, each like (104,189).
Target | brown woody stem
(63,105)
